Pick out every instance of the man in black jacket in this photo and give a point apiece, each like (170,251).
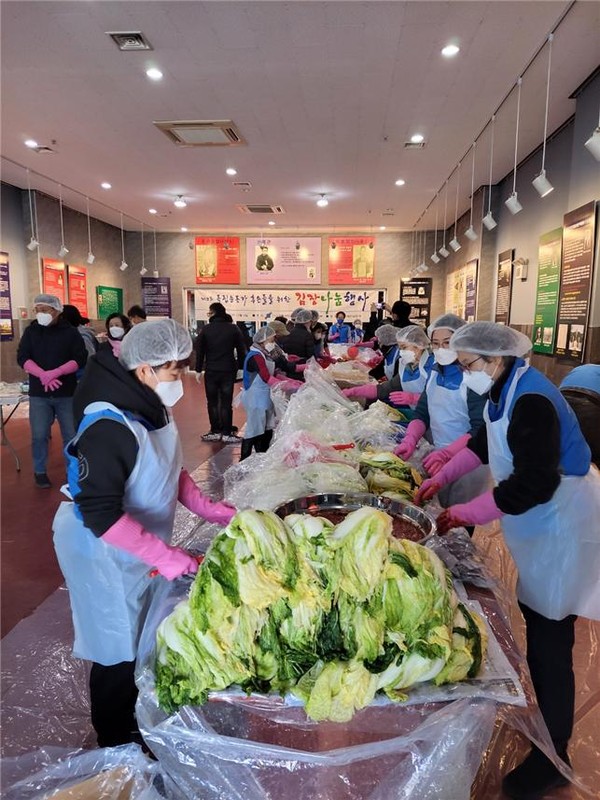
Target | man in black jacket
(220,352)
(300,342)
(51,351)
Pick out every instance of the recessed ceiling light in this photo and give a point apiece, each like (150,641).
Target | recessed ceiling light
(231,171)
(106,185)
(154,74)
(31,143)
(450,50)
(400,182)
(179,202)
(152,211)
(382,227)
(323,202)
(271,222)
(417,138)
(184,230)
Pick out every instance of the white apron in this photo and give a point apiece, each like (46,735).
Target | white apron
(390,361)
(448,421)
(256,399)
(555,545)
(414,380)
(110,590)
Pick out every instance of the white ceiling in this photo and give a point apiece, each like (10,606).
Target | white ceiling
(325,94)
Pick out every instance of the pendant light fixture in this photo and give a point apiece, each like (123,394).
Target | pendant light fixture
(90,256)
(63,249)
(512,202)
(541,183)
(423,265)
(123,266)
(470,233)
(443,251)
(143,270)
(33,242)
(489,221)
(434,256)
(155,273)
(593,143)
(454,243)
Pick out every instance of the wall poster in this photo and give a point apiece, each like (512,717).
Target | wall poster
(6,322)
(283,261)
(217,259)
(417,292)
(156,296)
(351,260)
(77,279)
(576,281)
(504,286)
(546,298)
(109,300)
(53,278)
(461,291)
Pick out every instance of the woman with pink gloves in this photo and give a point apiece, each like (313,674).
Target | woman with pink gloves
(125,478)
(547,498)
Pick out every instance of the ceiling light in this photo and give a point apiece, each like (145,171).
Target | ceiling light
(435,258)
(382,227)
(123,266)
(450,50)
(231,171)
(271,222)
(106,185)
(143,271)
(593,143)
(542,185)
(31,143)
(471,233)
(90,258)
(322,202)
(33,243)
(489,221)
(454,244)
(154,74)
(184,230)
(63,251)
(443,251)
(512,203)
(155,273)
(179,202)
(417,138)
(152,211)
(400,182)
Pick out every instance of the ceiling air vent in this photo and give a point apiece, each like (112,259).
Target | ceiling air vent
(130,40)
(242,184)
(414,145)
(201,133)
(261,209)
(43,149)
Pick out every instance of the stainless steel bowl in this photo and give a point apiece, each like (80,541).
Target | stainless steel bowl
(313,503)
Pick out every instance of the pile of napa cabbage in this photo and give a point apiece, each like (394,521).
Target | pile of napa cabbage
(332,614)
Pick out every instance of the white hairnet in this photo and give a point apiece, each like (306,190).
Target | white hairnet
(315,314)
(490,339)
(386,334)
(262,334)
(155,343)
(450,321)
(302,316)
(413,334)
(50,300)
(294,312)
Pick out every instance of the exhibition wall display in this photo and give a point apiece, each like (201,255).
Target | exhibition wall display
(504,286)
(53,278)
(6,323)
(283,261)
(217,259)
(461,290)
(548,282)
(109,300)
(77,284)
(156,296)
(417,292)
(351,260)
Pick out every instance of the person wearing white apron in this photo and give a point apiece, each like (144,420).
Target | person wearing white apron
(259,377)
(125,478)
(547,497)
(448,410)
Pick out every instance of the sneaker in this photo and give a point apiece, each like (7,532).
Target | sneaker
(42,481)
(533,778)
(231,438)
(211,437)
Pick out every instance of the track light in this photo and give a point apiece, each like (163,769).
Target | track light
(512,203)
(470,233)
(143,271)
(123,266)
(63,251)
(489,221)
(322,202)
(179,202)
(90,258)
(454,244)
(443,251)
(593,143)
(33,243)
(542,185)
(435,258)
(155,273)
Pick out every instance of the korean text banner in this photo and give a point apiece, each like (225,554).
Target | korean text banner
(294,262)
(53,278)
(351,260)
(217,259)
(78,288)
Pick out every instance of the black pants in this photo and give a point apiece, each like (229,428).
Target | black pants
(219,399)
(113,694)
(259,443)
(550,660)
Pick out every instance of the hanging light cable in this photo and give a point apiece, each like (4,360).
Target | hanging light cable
(434,256)
(143,270)
(512,202)
(123,266)
(90,256)
(454,243)
(63,249)
(541,183)
(489,221)
(33,242)
(470,233)
(443,251)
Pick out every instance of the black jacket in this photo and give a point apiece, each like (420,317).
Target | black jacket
(51,346)
(300,342)
(220,347)
(107,451)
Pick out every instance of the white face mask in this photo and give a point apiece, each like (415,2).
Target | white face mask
(407,357)
(170,392)
(444,356)
(44,318)
(115,332)
(480,382)
(269,346)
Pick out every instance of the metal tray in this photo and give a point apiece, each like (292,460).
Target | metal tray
(350,502)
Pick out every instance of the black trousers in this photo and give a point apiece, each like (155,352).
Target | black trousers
(259,443)
(550,659)
(113,694)
(219,399)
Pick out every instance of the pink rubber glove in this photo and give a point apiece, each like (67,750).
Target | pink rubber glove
(287,384)
(32,368)
(333,336)
(128,534)
(464,461)
(408,445)
(65,369)
(479,511)
(300,367)
(193,499)
(436,460)
(404,398)
(52,385)
(292,359)
(371,343)
(369,391)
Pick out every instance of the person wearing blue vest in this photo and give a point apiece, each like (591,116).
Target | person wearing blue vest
(449,410)
(547,499)
(581,390)
(386,338)
(339,332)
(125,478)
